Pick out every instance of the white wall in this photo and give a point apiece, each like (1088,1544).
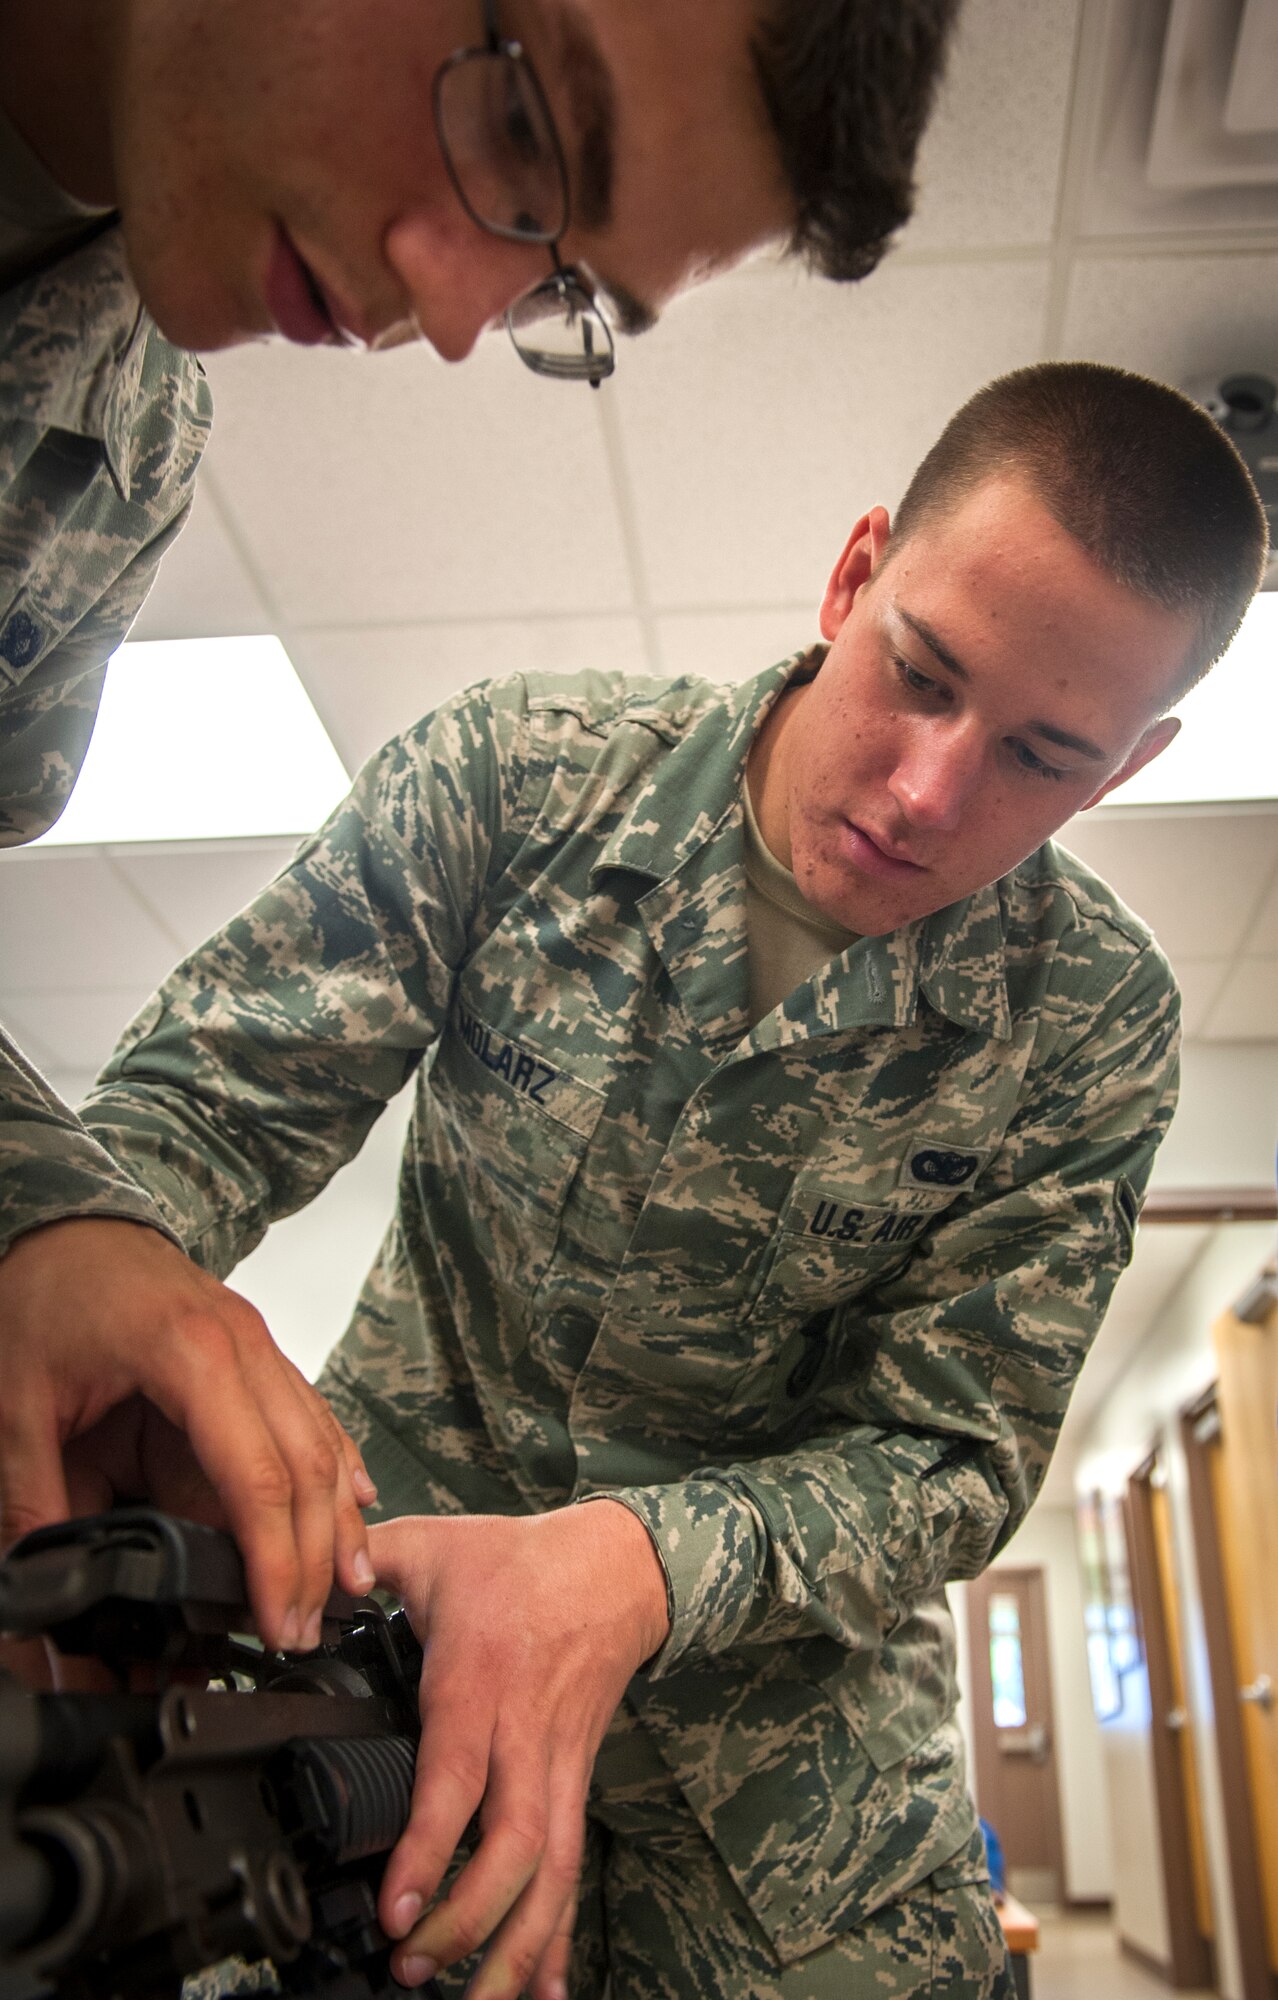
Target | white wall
(305,1276)
(1174,1364)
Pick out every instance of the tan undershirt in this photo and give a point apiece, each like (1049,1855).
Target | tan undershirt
(787,940)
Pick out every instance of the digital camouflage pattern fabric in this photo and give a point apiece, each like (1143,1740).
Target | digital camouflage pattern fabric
(810,1298)
(102,423)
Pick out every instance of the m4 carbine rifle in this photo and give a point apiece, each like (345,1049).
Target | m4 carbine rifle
(243,1807)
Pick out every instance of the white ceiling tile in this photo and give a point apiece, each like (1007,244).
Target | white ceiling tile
(732,645)
(369,684)
(1264,932)
(989,165)
(68,919)
(80,1027)
(1195,879)
(203,589)
(768,410)
(195,889)
(1246,1008)
(23,1029)
(1175,317)
(388,488)
(1199,980)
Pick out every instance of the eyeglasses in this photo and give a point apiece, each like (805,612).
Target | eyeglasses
(504,158)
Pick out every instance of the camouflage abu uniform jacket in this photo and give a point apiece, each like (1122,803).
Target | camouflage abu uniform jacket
(102,422)
(810,1299)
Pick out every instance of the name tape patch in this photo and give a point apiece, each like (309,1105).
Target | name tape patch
(522,1071)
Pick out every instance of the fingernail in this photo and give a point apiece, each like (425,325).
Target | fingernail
(556,1989)
(291,1631)
(365,1489)
(314,1626)
(365,1574)
(405,1913)
(416,1971)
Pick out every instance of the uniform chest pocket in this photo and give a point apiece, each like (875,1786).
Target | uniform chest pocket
(506,1136)
(832,1243)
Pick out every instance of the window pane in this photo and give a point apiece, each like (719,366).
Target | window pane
(1007,1667)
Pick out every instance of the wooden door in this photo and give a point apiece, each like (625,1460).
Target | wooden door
(1016,1775)
(1182,1847)
(1244,1469)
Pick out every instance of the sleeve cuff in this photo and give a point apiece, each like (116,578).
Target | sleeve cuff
(711,1545)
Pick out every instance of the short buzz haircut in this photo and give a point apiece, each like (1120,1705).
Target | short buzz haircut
(848,86)
(1143,479)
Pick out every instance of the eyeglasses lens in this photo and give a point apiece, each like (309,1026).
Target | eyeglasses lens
(559,332)
(499,142)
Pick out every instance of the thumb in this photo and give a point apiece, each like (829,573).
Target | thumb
(400,1552)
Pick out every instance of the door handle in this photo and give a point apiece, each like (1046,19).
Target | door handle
(1260,1691)
(1031,1742)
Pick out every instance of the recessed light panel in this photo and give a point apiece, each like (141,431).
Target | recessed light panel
(202,739)
(1227,748)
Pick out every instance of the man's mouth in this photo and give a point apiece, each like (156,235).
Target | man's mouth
(875,855)
(296,300)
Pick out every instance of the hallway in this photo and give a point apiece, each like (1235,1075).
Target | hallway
(1079,1959)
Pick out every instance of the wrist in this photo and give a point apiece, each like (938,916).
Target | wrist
(636,1569)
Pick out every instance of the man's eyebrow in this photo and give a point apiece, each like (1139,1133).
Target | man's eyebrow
(924,631)
(625,312)
(591,150)
(591,144)
(1050,731)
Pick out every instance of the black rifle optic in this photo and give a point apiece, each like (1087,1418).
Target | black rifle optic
(243,1808)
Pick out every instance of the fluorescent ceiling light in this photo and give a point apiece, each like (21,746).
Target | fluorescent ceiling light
(202,739)
(1228,744)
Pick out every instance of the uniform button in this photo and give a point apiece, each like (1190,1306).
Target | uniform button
(21,639)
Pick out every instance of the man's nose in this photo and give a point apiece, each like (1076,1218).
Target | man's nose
(938,774)
(459,280)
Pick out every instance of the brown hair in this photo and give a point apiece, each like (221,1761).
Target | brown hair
(1139,475)
(848,86)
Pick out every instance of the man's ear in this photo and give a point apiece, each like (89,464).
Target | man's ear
(1150,745)
(866,548)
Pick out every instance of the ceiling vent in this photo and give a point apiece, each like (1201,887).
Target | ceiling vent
(1215,120)
(1178,118)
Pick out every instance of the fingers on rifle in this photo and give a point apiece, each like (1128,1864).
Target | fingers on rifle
(33,1488)
(514,1889)
(517,1957)
(452,1772)
(238,1409)
(348,1531)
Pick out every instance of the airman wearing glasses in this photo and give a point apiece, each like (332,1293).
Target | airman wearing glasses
(186,174)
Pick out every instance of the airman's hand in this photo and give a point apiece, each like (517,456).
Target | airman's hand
(106,1328)
(531,1629)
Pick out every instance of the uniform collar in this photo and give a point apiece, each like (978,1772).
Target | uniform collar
(72,343)
(697,783)
(682,835)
